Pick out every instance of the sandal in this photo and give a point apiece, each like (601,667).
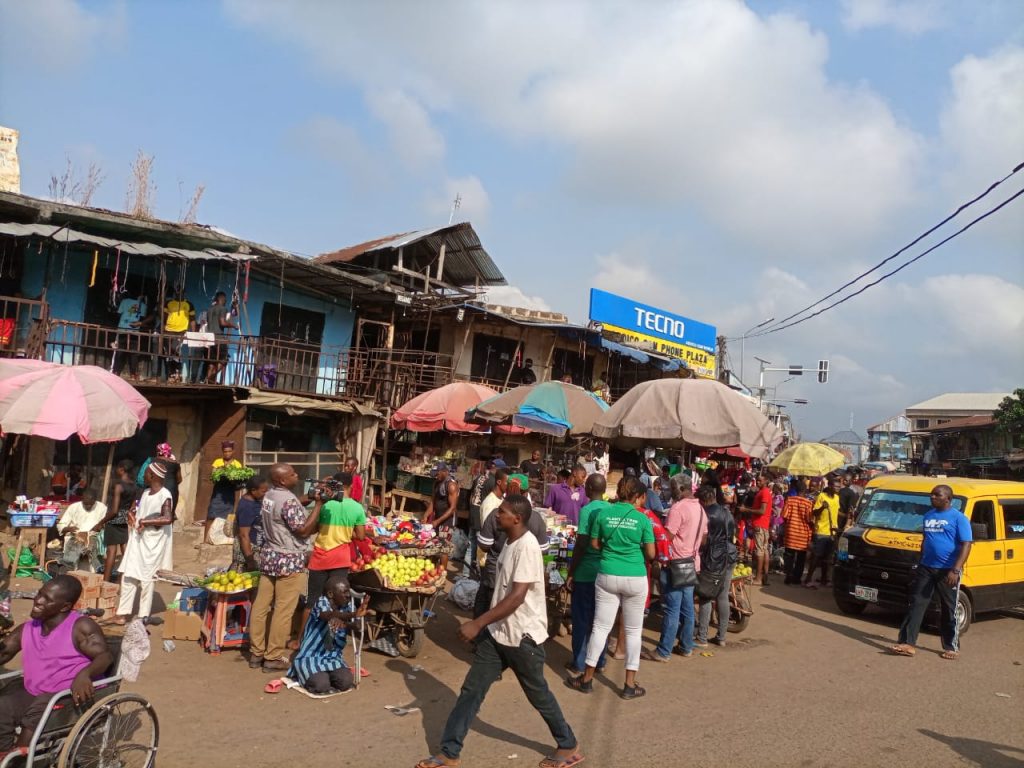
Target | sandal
(274,686)
(950,655)
(632,692)
(571,670)
(434,762)
(554,761)
(903,650)
(579,684)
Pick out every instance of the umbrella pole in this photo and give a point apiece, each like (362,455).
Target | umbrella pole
(106,474)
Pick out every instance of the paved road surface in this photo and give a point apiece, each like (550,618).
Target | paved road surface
(803,686)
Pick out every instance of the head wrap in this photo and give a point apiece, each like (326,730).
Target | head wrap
(164,451)
(227,444)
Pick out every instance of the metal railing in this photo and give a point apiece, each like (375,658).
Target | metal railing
(382,376)
(22,326)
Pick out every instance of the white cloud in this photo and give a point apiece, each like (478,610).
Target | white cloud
(983,121)
(701,104)
(57,35)
(511,296)
(910,16)
(412,134)
(474,202)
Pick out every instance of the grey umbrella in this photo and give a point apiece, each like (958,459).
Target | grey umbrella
(697,412)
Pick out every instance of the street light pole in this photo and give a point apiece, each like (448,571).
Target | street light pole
(743,345)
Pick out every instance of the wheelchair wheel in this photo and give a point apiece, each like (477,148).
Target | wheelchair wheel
(119,731)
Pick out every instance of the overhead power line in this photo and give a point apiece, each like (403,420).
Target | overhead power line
(900,268)
(777,325)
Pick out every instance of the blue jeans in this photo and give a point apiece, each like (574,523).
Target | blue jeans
(584,605)
(676,602)
(489,660)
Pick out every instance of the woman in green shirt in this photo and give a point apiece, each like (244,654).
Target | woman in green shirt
(625,538)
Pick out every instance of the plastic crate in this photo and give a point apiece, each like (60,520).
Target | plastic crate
(33,519)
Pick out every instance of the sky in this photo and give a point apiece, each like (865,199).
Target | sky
(728,162)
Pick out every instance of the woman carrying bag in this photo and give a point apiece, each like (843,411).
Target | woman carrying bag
(718,557)
(624,537)
(687,529)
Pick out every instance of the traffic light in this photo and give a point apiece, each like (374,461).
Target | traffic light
(822,371)
(796,370)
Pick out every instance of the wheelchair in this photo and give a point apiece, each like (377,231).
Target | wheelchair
(117,730)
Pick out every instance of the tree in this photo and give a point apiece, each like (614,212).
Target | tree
(1010,415)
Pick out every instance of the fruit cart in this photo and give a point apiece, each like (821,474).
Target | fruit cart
(740,609)
(397,613)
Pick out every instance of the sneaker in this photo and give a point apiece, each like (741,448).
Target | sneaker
(718,641)
(700,643)
(678,650)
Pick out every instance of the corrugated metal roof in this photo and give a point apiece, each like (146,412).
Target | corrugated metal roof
(968,422)
(895,424)
(844,437)
(65,235)
(466,262)
(962,401)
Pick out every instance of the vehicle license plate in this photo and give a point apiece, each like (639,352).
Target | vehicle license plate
(866,593)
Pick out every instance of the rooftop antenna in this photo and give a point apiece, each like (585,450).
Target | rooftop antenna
(456,203)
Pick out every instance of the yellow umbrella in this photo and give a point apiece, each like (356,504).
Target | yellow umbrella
(810,459)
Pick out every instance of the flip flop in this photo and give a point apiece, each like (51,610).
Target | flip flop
(363,672)
(554,761)
(903,650)
(434,762)
(950,655)
(274,686)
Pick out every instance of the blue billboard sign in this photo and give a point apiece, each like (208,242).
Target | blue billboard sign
(668,332)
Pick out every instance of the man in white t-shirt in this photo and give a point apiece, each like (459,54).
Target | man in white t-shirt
(510,636)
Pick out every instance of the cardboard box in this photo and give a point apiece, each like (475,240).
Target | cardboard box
(107,604)
(182,626)
(90,594)
(87,578)
(109,590)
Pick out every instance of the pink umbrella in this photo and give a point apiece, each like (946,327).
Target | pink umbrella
(443,408)
(57,401)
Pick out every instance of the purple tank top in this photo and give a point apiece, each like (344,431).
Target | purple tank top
(50,662)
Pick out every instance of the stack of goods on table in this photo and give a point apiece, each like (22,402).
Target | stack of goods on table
(230,582)
(406,535)
(96,593)
(33,513)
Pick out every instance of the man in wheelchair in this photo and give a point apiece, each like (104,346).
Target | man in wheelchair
(61,649)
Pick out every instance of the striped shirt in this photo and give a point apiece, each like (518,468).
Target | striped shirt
(338,520)
(322,648)
(796,513)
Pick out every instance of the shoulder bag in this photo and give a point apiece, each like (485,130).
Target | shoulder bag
(683,570)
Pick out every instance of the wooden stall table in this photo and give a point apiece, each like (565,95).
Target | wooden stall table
(399,497)
(29,537)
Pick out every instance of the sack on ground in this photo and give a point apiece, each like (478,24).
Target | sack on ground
(463,593)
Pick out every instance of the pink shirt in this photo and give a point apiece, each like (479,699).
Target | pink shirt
(686,526)
(51,661)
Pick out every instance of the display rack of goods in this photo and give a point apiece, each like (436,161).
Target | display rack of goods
(230,582)
(390,570)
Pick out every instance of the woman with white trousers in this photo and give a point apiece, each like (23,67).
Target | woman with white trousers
(625,538)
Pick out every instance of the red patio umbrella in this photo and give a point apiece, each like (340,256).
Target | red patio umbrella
(444,408)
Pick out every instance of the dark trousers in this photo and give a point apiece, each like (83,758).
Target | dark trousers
(794,561)
(490,659)
(19,707)
(926,582)
(583,607)
(482,604)
(322,682)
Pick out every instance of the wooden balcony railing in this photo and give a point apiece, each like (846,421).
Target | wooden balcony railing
(22,326)
(250,361)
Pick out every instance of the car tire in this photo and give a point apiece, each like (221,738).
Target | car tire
(850,606)
(964,612)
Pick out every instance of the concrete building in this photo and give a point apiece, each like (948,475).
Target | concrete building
(952,405)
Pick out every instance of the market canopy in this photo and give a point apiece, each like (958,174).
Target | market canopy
(443,408)
(552,408)
(808,459)
(57,401)
(697,412)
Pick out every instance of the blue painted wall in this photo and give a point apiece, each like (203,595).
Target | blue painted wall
(69,279)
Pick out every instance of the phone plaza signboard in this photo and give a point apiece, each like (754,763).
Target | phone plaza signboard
(662,331)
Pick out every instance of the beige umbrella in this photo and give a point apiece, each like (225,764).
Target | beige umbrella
(697,412)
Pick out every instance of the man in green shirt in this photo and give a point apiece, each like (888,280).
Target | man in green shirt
(583,574)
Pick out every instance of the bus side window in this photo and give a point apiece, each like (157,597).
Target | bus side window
(983,520)
(1013,517)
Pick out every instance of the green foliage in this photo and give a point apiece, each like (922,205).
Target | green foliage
(232,473)
(1010,415)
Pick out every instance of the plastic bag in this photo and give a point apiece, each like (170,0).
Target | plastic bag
(27,562)
(463,593)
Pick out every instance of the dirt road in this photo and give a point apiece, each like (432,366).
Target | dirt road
(803,686)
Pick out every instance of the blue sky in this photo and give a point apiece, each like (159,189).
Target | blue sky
(728,162)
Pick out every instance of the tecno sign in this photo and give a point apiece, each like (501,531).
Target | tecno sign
(660,324)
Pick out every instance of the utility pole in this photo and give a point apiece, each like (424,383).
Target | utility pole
(720,362)
(743,344)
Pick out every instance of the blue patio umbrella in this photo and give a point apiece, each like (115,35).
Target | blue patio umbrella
(551,408)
